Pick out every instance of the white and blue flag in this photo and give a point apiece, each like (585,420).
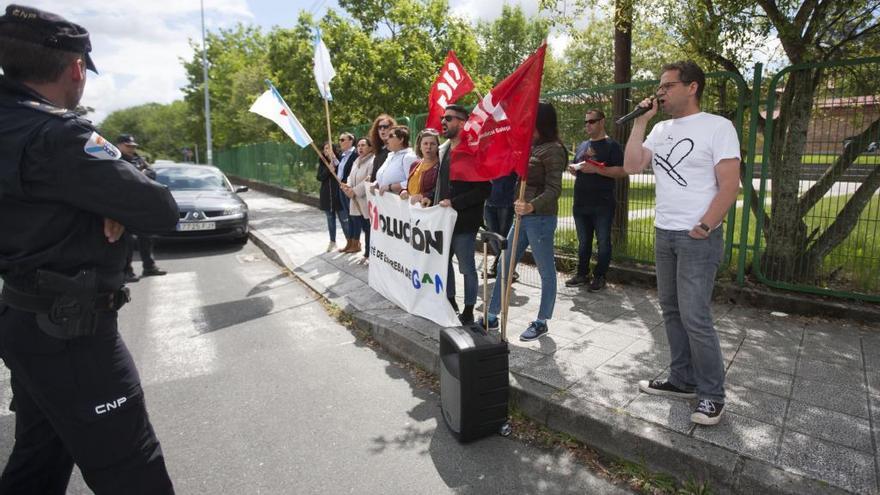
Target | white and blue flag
(272,106)
(324,71)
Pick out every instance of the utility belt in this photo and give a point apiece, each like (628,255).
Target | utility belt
(66,307)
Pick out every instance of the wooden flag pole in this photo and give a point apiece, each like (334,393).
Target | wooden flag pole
(325,162)
(505,296)
(327,114)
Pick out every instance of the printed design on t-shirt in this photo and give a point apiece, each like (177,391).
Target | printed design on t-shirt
(676,155)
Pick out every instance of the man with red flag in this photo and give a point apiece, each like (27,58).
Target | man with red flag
(467,197)
(452,83)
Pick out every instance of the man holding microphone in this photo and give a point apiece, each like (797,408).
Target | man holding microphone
(695,158)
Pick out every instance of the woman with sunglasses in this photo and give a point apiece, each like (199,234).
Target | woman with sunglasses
(330,202)
(422,178)
(538,213)
(355,189)
(379,132)
(392,175)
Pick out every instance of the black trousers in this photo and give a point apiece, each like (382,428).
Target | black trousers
(145,247)
(77,401)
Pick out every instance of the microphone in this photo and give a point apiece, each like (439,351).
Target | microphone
(639,111)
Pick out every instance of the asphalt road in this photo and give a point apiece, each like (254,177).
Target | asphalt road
(253,388)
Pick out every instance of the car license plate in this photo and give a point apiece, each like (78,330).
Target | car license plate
(190,226)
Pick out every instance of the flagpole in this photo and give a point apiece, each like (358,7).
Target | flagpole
(327,114)
(505,296)
(325,161)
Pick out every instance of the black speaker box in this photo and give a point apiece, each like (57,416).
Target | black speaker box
(474,383)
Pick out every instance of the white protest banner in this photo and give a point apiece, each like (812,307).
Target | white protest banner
(409,249)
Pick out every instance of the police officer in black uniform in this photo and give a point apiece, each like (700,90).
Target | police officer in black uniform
(128,145)
(64,196)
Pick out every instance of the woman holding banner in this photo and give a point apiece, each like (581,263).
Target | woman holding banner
(356,190)
(422,178)
(538,210)
(379,132)
(392,175)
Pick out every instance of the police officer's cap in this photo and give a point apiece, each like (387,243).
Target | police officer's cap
(46,29)
(126,139)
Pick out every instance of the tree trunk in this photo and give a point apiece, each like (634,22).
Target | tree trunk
(622,74)
(783,259)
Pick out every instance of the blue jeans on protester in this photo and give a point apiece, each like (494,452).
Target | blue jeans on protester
(463,247)
(351,229)
(331,222)
(536,232)
(686,270)
(363,225)
(498,220)
(587,221)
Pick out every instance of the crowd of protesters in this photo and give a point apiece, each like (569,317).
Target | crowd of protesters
(693,195)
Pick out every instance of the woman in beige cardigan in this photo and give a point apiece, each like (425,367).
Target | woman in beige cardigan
(356,191)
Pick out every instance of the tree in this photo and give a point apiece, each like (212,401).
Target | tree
(156,127)
(724,34)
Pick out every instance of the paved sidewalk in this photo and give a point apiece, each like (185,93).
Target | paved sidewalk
(803,394)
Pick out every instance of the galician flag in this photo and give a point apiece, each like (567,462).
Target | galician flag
(272,106)
(323,68)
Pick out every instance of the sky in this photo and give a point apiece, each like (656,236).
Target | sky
(138,45)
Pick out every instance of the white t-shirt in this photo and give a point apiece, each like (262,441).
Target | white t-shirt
(396,167)
(686,151)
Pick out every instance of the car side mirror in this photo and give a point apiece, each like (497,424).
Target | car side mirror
(241,189)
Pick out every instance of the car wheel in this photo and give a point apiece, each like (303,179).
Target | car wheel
(241,240)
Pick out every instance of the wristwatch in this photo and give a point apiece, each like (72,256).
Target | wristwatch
(705,227)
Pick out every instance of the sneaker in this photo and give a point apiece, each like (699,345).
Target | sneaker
(597,284)
(493,323)
(331,246)
(664,388)
(515,276)
(152,271)
(131,277)
(708,412)
(534,331)
(577,281)
(492,272)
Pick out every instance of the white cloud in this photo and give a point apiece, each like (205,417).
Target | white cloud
(137,45)
(490,10)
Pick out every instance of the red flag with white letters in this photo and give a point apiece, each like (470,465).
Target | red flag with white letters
(452,83)
(497,138)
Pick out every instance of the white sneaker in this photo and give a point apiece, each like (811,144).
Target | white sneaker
(331,247)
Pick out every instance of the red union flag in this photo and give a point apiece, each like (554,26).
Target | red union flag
(497,138)
(452,83)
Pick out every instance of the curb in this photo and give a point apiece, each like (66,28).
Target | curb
(611,431)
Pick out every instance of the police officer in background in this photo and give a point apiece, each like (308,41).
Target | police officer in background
(128,146)
(65,195)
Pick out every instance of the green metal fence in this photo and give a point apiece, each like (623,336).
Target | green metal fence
(850,269)
(818,230)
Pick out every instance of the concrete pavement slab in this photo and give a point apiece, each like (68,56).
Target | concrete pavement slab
(581,378)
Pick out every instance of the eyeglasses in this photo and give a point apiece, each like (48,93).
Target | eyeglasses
(383,126)
(448,118)
(591,121)
(342,139)
(668,85)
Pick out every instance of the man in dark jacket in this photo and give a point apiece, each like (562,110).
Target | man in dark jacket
(128,145)
(65,195)
(468,199)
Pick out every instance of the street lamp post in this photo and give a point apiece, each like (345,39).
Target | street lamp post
(209,152)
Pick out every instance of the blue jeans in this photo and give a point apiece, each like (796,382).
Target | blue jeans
(498,220)
(686,270)
(537,232)
(350,229)
(331,222)
(589,220)
(362,225)
(463,246)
